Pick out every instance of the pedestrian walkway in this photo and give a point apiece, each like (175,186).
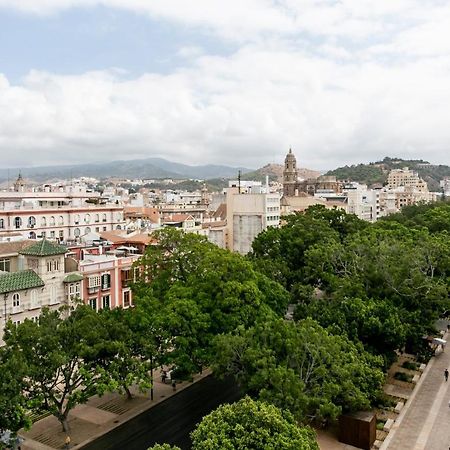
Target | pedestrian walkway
(98,416)
(424,424)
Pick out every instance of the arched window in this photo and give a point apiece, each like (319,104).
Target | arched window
(118,227)
(43,221)
(52,221)
(31,221)
(104,217)
(17,222)
(87,230)
(32,235)
(77,219)
(97,218)
(16,300)
(87,218)
(61,220)
(77,232)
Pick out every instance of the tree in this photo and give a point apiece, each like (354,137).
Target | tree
(60,357)
(250,424)
(194,291)
(301,367)
(123,362)
(12,403)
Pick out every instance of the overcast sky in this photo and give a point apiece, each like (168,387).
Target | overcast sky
(235,82)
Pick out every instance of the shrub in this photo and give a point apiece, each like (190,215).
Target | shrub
(402,376)
(410,365)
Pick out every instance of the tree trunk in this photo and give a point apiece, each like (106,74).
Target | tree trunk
(129,394)
(151,376)
(63,421)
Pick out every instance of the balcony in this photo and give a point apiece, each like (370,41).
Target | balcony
(93,289)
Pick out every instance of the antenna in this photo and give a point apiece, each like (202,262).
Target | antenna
(239,182)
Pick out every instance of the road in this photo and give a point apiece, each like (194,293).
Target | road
(170,421)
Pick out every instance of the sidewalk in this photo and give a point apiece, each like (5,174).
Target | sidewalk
(424,422)
(98,416)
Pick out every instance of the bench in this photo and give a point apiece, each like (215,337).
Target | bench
(398,407)
(388,425)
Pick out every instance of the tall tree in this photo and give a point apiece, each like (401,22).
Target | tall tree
(60,356)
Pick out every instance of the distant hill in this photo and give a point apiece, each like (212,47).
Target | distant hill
(275,173)
(138,168)
(377,172)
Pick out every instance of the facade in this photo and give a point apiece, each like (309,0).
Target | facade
(40,282)
(241,218)
(406,178)
(64,215)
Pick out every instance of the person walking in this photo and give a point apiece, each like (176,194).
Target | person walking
(446,374)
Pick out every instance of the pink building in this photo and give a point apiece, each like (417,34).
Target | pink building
(106,280)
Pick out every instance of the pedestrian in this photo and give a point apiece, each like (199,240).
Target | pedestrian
(446,374)
(163,376)
(174,385)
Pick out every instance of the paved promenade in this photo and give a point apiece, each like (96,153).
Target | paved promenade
(98,416)
(425,423)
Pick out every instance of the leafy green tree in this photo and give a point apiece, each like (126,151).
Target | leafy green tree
(196,290)
(250,424)
(60,357)
(12,403)
(301,367)
(123,362)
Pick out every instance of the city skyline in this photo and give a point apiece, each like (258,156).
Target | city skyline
(340,83)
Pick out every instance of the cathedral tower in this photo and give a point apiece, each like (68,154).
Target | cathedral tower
(290,175)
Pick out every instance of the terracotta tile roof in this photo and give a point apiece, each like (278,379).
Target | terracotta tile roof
(178,218)
(8,248)
(19,281)
(221,211)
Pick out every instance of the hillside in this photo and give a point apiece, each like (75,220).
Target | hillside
(377,172)
(139,168)
(275,173)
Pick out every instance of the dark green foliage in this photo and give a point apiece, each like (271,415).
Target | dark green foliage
(250,424)
(301,367)
(410,365)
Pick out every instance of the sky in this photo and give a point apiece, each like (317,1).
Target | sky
(236,82)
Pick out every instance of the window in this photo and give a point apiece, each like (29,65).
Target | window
(16,300)
(87,218)
(2,223)
(106,281)
(4,265)
(34,303)
(126,299)
(61,220)
(126,277)
(87,230)
(77,219)
(52,221)
(53,296)
(61,234)
(43,221)
(104,218)
(74,289)
(76,232)
(93,303)
(97,229)
(43,234)
(106,302)
(104,228)
(17,222)
(31,221)
(52,234)
(97,218)
(94,281)
(52,265)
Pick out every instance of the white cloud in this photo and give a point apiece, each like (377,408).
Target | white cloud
(244,109)
(340,82)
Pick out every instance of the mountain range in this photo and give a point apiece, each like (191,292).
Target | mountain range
(139,168)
